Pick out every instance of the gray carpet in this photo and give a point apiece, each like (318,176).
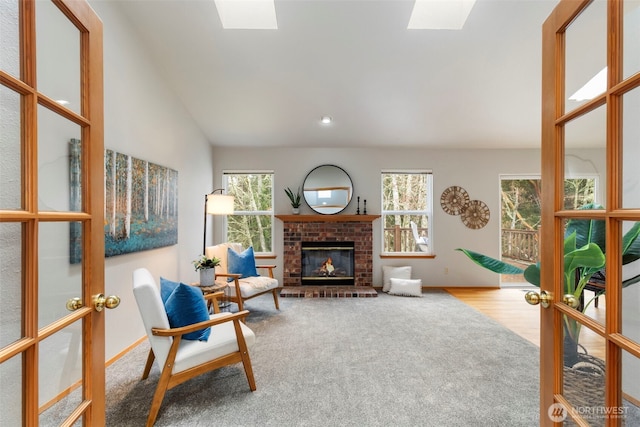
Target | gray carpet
(386,361)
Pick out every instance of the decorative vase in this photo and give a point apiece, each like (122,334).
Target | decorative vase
(295,211)
(207,276)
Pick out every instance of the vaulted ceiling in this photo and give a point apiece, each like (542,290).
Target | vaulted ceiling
(353,60)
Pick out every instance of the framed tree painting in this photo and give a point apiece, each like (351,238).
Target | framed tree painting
(141,204)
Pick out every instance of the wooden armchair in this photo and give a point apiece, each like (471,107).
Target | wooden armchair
(242,288)
(182,359)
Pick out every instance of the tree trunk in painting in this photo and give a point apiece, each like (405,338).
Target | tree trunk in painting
(114,200)
(127,214)
(146,192)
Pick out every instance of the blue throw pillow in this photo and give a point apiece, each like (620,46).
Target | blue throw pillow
(166,288)
(243,264)
(186,306)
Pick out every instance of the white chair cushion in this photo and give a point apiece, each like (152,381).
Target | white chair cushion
(221,342)
(250,286)
(220,252)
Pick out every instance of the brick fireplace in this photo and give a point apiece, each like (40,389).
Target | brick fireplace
(327,228)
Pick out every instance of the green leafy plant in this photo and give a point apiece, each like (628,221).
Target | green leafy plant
(584,247)
(293,197)
(203,262)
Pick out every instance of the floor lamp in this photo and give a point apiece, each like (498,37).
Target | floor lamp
(216,204)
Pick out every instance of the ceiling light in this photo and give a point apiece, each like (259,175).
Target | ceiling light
(247,14)
(326,120)
(593,88)
(440,14)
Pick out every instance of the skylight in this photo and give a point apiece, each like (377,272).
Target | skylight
(440,14)
(247,14)
(593,88)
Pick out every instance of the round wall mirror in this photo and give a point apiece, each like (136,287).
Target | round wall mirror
(327,189)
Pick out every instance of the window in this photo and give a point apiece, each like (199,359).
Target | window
(252,221)
(407,209)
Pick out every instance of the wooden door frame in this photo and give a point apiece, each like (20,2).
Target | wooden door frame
(554,118)
(91,121)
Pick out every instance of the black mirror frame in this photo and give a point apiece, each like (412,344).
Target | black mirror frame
(350,190)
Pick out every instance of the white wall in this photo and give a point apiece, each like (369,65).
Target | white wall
(477,171)
(145,119)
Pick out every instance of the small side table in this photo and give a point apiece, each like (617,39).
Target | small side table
(216,287)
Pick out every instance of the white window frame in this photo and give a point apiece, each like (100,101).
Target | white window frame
(428,212)
(271,213)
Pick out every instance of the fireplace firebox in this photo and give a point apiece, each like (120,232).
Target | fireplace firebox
(328,263)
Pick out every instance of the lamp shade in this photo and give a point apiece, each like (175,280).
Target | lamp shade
(220,204)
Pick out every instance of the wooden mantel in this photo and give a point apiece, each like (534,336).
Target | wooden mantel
(327,218)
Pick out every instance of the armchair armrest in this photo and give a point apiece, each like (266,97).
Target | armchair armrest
(174,332)
(269,267)
(212,300)
(235,276)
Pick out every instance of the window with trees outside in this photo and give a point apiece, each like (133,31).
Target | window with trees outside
(252,221)
(407,210)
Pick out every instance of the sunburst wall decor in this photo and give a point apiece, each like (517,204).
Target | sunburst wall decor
(476,214)
(454,199)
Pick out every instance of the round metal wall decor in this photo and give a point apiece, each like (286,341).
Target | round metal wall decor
(476,214)
(454,199)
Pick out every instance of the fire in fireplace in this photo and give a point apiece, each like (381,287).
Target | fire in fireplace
(328,263)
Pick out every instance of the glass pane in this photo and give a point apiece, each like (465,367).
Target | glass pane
(584,267)
(631,149)
(585,160)
(58,283)
(10,160)
(631,40)
(631,281)
(630,410)
(9,37)
(10,283)
(11,397)
(60,370)
(58,163)
(586,56)
(406,233)
(584,376)
(58,51)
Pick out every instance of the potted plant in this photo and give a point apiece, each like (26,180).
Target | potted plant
(206,266)
(584,247)
(294,198)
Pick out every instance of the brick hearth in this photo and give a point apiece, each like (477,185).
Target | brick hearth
(322,228)
(328,292)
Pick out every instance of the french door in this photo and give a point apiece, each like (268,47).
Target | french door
(51,236)
(599,42)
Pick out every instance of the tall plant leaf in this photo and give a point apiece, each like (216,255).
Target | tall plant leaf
(492,264)
(587,230)
(532,274)
(631,244)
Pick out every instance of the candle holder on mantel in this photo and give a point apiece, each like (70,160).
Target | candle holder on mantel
(358,210)
(365,206)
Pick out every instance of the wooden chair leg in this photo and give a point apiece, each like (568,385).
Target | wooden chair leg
(163,382)
(275,298)
(147,368)
(244,353)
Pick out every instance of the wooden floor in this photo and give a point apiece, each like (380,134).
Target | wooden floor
(508,307)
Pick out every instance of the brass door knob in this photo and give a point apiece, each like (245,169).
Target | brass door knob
(543,298)
(571,300)
(100,302)
(74,303)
